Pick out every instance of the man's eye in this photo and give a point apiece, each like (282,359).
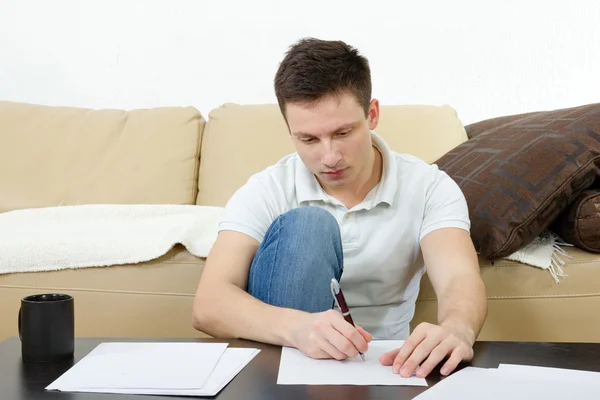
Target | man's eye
(309,140)
(343,133)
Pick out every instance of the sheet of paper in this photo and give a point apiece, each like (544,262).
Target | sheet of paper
(232,362)
(297,369)
(552,373)
(473,383)
(144,365)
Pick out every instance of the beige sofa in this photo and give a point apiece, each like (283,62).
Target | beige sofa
(54,155)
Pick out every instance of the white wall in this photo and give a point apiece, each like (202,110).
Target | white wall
(485,58)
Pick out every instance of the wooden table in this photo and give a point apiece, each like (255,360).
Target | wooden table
(258,380)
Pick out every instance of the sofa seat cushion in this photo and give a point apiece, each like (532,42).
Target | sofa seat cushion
(152,299)
(51,156)
(525,304)
(510,279)
(174,273)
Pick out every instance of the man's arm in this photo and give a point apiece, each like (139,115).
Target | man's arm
(453,270)
(223,308)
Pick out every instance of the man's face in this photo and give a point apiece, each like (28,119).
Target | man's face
(333,140)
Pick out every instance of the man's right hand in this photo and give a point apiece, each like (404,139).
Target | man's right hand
(328,335)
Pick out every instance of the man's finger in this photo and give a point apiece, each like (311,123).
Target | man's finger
(435,356)
(357,341)
(455,358)
(341,342)
(420,353)
(330,348)
(407,349)
(368,337)
(388,358)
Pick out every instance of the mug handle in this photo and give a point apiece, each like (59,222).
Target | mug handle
(19,324)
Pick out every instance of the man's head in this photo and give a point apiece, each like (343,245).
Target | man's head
(313,69)
(324,92)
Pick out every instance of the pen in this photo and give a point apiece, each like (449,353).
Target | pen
(336,291)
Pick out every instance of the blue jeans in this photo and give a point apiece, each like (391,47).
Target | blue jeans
(300,254)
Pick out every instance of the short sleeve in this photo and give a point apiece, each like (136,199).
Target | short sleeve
(445,204)
(250,210)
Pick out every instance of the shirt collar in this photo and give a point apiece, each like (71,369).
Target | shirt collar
(388,185)
(308,187)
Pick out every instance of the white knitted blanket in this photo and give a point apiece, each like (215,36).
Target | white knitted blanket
(544,252)
(99,235)
(53,238)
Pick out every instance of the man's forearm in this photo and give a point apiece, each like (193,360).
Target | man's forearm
(229,311)
(463,306)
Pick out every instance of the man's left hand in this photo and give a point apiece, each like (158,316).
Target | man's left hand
(427,346)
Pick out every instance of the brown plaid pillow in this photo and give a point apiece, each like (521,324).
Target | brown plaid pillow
(519,175)
(476,128)
(579,224)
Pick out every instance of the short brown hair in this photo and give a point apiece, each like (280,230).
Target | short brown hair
(314,68)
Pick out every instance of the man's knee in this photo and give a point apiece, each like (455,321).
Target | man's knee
(295,263)
(312,223)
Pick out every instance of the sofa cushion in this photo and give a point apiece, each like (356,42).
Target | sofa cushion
(240,140)
(150,299)
(518,177)
(511,279)
(51,156)
(525,303)
(579,224)
(476,128)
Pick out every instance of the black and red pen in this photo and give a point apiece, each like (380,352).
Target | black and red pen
(336,291)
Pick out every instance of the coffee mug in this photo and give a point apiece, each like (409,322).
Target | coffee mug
(47,327)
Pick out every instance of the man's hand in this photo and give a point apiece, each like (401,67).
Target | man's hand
(328,335)
(427,346)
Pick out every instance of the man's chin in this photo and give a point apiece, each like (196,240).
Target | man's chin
(332,182)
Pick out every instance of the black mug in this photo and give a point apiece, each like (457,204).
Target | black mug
(47,327)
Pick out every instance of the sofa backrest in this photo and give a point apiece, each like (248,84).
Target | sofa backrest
(52,156)
(240,140)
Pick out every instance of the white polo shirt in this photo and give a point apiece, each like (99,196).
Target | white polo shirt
(383,263)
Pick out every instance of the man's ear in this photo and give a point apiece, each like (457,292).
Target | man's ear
(373,116)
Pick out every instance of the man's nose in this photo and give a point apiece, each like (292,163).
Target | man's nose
(331,156)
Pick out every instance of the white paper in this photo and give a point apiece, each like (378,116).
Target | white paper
(230,364)
(144,365)
(510,383)
(297,369)
(552,373)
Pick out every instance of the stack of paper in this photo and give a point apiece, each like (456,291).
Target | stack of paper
(182,369)
(516,382)
(297,369)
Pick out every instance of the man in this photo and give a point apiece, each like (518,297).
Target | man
(345,206)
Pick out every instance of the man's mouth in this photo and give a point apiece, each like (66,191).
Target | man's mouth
(335,173)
